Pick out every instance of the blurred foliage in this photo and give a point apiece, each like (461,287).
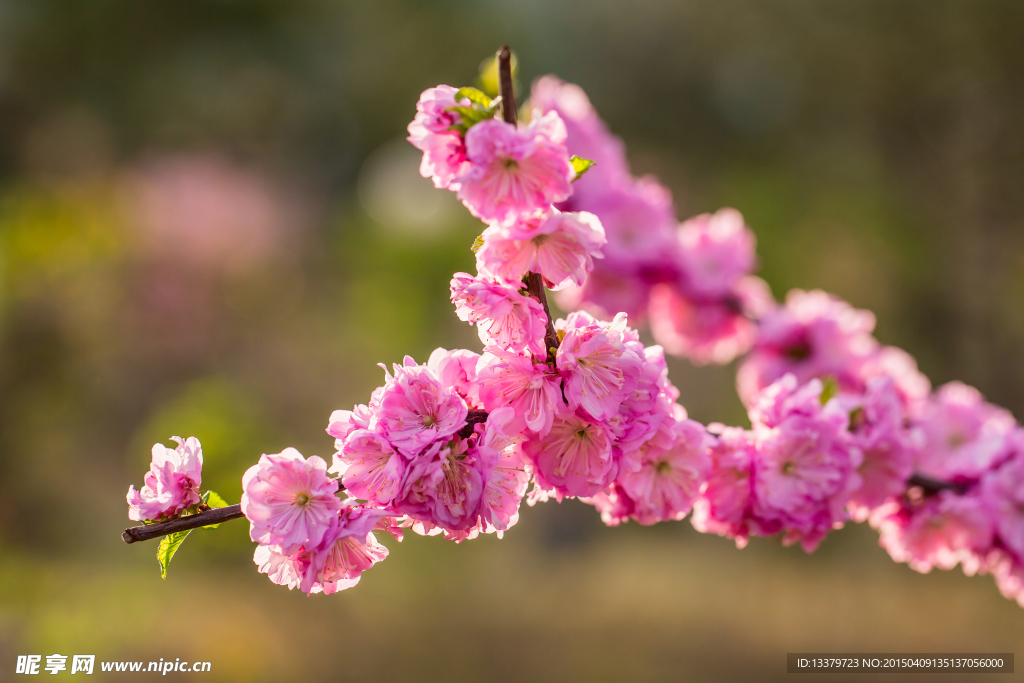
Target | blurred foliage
(192,242)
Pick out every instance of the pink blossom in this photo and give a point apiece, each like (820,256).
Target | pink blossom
(344,422)
(507,476)
(172,483)
(1002,492)
(963,434)
(639,223)
(600,369)
(716,252)
(370,468)
(941,531)
(1009,574)
(416,409)
(531,389)
(515,172)
(615,285)
(673,466)
(289,500)
(574,458)
(708,331)
(503,316)
(814,335)
(560,246)
(650,403)
(614,505)
(587,135)
(444,152)
(724,505)
(805,465)
(889,447)
(444,486)
(347,549)
(913,387)
(457,369)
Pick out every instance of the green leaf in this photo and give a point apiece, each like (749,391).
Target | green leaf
(474,96)
(829,389)
(580,165)
(213,499)
(168,546)
(477,243)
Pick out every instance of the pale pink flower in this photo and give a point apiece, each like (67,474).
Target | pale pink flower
(1009,574)
(344,422)
(172,483)
(614,286)
(724,504)
(1002,492)
(347,549)
(912,385)
(613,503)
(444,152)
(531,389)
(716,252)
(457,369)
(963,434)
(289,500)
(370,468)
(674,464)
(587,135)
(503,315)
(507,475)
(708,331)
(942,530)
(574,458)
(889,447)
(560,246)
(600,368)
(639,223)
(416,409)
(515,172)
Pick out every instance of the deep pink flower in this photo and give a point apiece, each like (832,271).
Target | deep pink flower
(1002,492)
(613,503)
(615,285)
(370,468)
(711,330)
(515,172)
(348,548)
(503,315)
(574,458)
(172,483)
(531,389)
(289,500)
(648,405)
(600,368)
(814,335)
(724,505)
(444,152)
(805,464)
(963,434)
(416,409)
(507,476)
(560,246)
(912,385)
(941,531)
(889,447)
(674,464)
(443,487)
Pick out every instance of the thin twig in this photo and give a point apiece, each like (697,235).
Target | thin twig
(534,282)
(147,532)
(932,486)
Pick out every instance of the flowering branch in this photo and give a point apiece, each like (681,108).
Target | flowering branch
(147,532)
(534,281)
(932,486)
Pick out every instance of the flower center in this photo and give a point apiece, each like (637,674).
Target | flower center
(302,500)
(429,420)
(663,467)
(511,164)
(788,468)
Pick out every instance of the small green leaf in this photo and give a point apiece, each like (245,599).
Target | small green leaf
(580,165)
(829,389)
(474,96)
(168,546)
(478,243)
(213,499)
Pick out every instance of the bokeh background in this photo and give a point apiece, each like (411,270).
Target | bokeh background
(210,225)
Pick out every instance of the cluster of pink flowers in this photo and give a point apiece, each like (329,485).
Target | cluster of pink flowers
(172,483)
(693,280)
(842,427)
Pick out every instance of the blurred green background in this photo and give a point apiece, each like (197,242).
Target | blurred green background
(210,226)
